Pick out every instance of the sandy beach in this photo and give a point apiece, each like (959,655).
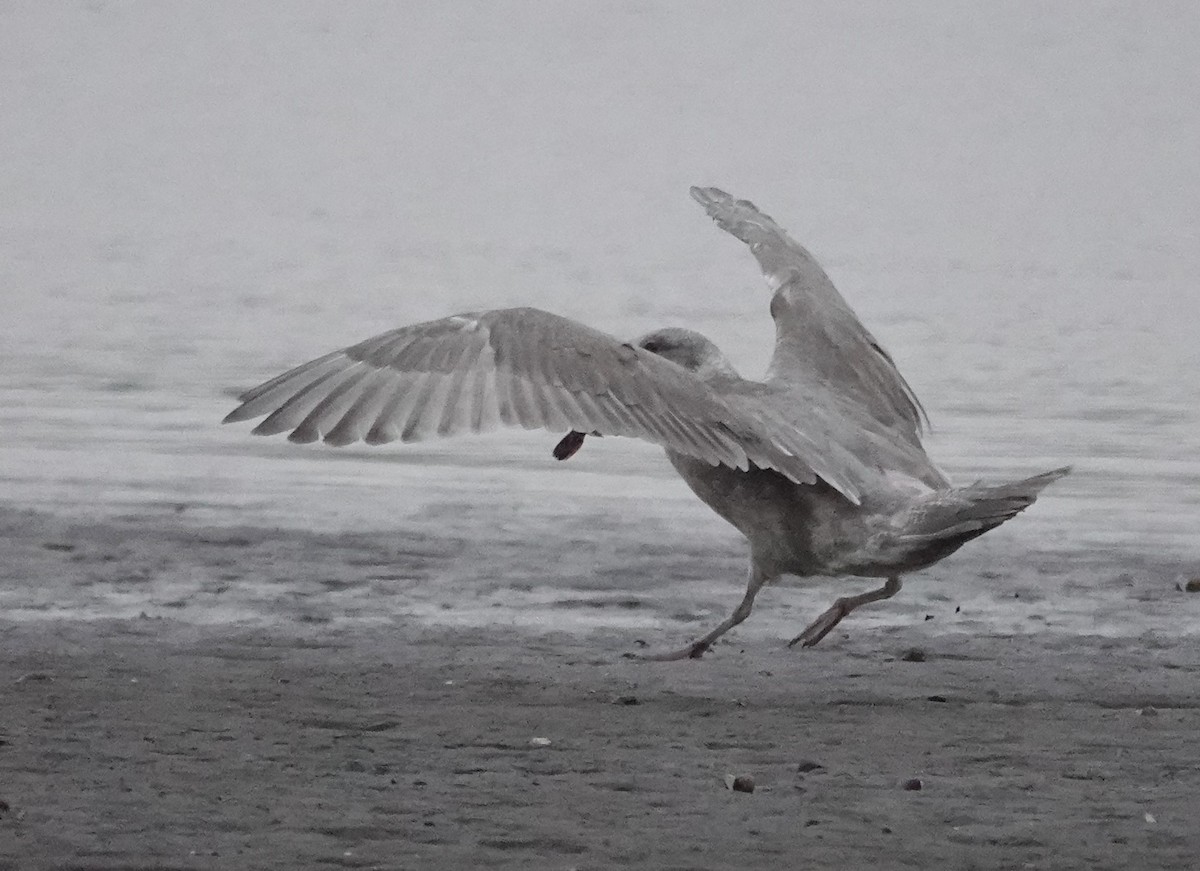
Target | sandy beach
(310,742)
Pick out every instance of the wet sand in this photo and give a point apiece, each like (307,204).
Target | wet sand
(319,740)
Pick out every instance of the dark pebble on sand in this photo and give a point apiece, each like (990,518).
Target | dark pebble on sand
(626,700)
(912,784)
(807,765)
(913,654)
(936,699)
(1193,586)
(739,783)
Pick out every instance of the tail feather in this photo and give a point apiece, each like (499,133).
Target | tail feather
(975,508)
(946,520)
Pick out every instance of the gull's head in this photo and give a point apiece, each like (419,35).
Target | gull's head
(688,349)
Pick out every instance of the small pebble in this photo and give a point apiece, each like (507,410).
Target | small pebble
(739,783)
(936,699)
(540,742)
(1150,819)
(928,617)
(1193,586)
(1148,711)
(913,654)
(626,700)
(808,765)
(913,784)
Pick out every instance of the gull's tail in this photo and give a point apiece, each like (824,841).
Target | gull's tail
(942,522)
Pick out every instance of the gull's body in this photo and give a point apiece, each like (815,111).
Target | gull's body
(820,465)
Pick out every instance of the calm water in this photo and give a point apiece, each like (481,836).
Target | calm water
(193,199)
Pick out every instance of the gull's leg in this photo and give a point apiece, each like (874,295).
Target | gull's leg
(820,627)
(696,649)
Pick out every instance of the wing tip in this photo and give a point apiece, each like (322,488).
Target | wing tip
(302,435)
(268,428)
(340,436)
(236,416)
(1054,475)
(380,434)
(709,197)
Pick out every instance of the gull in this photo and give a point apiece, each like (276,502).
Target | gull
(819,465)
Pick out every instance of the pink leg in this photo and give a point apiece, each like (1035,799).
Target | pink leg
(840,609)
(696,649)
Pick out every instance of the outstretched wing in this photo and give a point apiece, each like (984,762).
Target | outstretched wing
(514,367)
(817,335)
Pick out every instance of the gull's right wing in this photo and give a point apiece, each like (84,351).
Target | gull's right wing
(817,335)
